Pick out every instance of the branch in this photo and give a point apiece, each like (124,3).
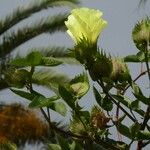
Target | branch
(140,75)
(113,100)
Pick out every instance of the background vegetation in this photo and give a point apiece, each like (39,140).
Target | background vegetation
(87,129)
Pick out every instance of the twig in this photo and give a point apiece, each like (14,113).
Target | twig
(113,100)
(140,75)
(147,114)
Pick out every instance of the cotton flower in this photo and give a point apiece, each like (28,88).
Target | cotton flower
(85,23)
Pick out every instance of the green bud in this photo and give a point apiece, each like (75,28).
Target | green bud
(141,34)
(101,68)
(120,71)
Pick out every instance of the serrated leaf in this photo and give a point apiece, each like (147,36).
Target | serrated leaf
(80,85)
(41,101)
(54,147)
(50,61)
(60,107)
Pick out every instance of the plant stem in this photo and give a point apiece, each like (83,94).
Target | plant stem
(100,82)
(140,75)
(147,114)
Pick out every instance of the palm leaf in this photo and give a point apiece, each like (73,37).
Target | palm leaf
(52,51)
(13,40)
(49,78)
(24,12)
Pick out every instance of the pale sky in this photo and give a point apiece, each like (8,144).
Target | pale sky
(121,16)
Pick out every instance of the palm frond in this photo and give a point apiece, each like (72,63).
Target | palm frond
(13,40)
(58,51)
(21,12)
(61,53)
(49,78)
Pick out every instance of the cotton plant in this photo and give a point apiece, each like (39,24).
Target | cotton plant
(91,130)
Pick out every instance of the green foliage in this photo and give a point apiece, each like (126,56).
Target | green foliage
(54,147)
(41,101)
(141,34)
(86,129)
(102,100)
(8,146)
(80,85)
(35,59)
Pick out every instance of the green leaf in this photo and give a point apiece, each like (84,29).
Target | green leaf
(32,59)
(134,129)
(63,142)
(107,104)
(54,147)
(124,130)
(41,101)
(138,58)
(143,135)
(139,95)
(75,146)
(24,94)
(131,58)
(60,107)
(121,118)
(80,85)
(50,61)
(134,105)
(67,96)
(127,102)
(123,99)
(8,146)
(97,96)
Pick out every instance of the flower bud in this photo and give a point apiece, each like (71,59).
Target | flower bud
(141,34)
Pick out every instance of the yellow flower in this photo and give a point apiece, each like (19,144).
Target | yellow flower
(85,23)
